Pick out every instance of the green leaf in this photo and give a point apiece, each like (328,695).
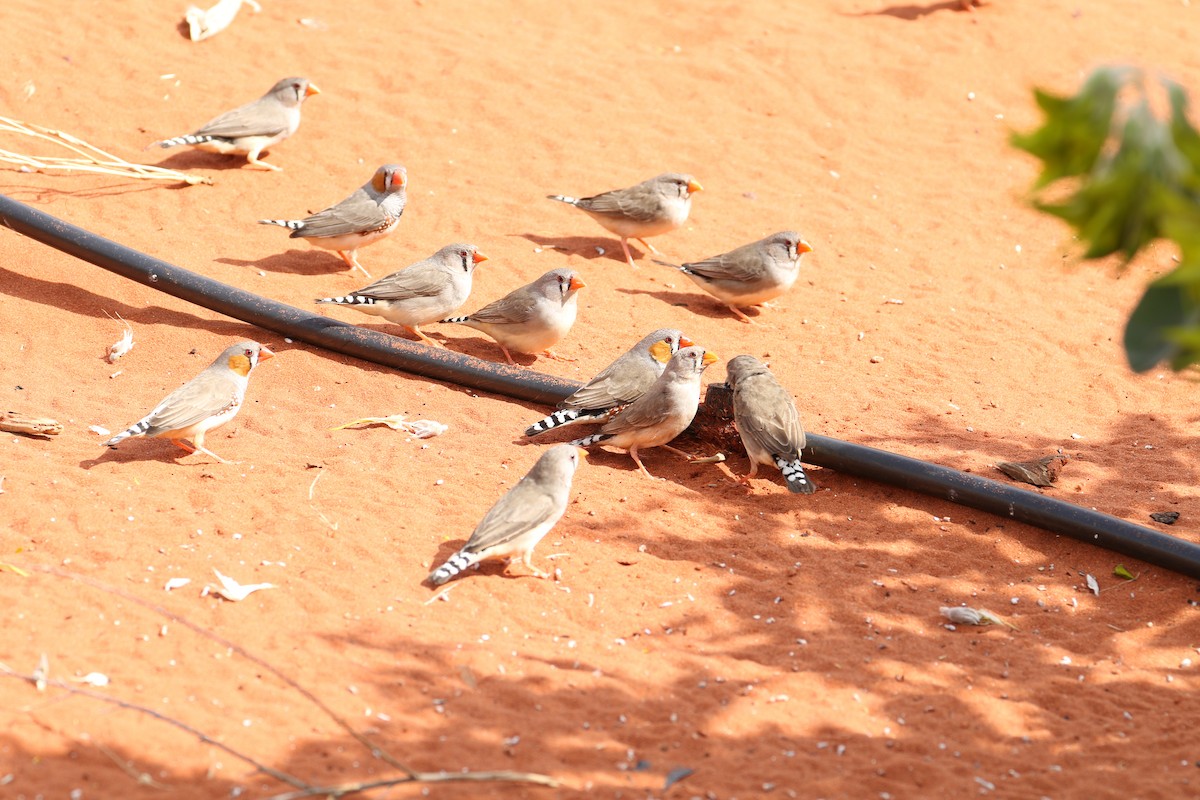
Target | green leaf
(1076,128)
(1165,326)
(1121,572)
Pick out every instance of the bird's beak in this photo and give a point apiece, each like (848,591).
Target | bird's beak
(686,342)
(694,187)
(804,247)
(311,90)
(576,283)
(478,257)
(399,179)
(710,358)
(582,452)
(264,353)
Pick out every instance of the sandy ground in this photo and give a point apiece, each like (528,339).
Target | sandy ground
(774,644)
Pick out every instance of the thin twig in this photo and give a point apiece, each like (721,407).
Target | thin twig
(278,775)
(92,158)
(373,748)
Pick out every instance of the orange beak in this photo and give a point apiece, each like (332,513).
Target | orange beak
(582,452)
(264,354)
(710,358)
(311,90)
(804,247)
(399,179)
(576,283)
(694,187)
(686,342)
(478,257)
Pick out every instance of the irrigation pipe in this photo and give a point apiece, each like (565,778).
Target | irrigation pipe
(1018,504)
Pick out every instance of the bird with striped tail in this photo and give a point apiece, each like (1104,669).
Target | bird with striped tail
(367,216)
(250,129)
(208,400)
(766,419)
(652,207)
(662,413)
(618,384)
(421,293)
(532,318)
(518,521)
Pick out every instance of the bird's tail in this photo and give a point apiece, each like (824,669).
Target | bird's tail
(567,416)
(456,319)
(188,139)
(290,224)
(793,473)
(562,198)
(136,429)
(349,300)
(454,565)
(595,438)
(669,264)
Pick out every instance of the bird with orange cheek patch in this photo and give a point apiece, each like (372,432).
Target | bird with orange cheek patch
(208,400)
(367,216)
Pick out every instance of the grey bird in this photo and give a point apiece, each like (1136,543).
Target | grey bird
(531,319)
(212,398)
(662,413)
(519,519)
(650,208)
(766,419)
(618,384)
(363,218)
(421,293)
(250,129)
(751,274)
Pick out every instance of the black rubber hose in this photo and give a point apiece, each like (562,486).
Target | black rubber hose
(1018,504)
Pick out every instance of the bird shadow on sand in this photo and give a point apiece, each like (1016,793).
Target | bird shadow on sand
(150,450)
(190,158)
(913,12)
(301,262)
(481,347)
(588,247)
(696,304)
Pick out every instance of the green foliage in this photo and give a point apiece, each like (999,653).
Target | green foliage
(1134,177)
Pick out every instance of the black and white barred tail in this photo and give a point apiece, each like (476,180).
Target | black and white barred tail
(595,438)
(349,300)
(455,319)
(188,139)
(453,566)
(136,429)
(793,473)
(290,224)
(566,416)
(572,201)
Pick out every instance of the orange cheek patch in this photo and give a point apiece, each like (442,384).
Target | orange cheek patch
(240,364)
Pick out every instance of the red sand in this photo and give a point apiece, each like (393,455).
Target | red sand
(762,640)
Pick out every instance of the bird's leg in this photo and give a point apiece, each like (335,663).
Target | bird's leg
(528,559)
(508,355)
(628,255)
(742,316)
(208,452)
(415,331)
(648,246)
(633,452)
(351,259)
(184,446)
(252,157)
(556,356)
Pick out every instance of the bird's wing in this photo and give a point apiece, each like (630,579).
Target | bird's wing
(637,202)
(258,118)
(508,310)
(416,281)
(774,425)
(207,394)
(358,213)
(725,267)
(525,507)
(617,384)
